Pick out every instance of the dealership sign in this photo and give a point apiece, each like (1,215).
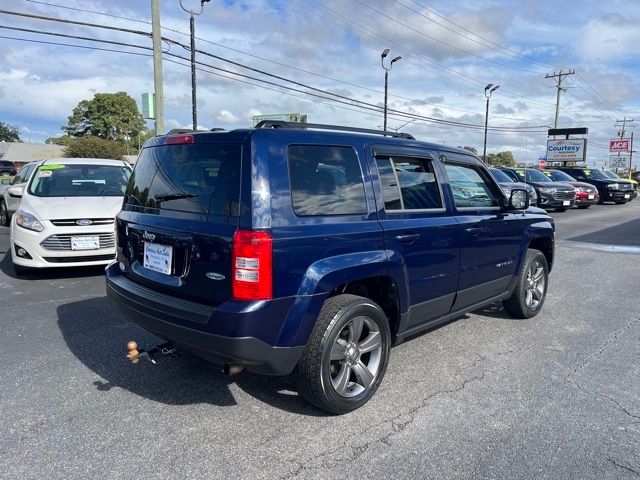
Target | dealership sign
(566,150)
(619,145)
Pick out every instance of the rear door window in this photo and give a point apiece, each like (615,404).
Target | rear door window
(326,180)
(408,184)
(198,178)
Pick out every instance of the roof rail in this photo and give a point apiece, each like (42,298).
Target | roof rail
(177,131)
(320,126)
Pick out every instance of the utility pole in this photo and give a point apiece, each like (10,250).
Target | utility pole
(559,76)
(157,66)
(623,123)
(192,31)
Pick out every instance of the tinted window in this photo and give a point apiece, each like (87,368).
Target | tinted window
(199,178)
(558,176)
(500,176)
(408,184)
(471,186)
(22,175)
(326,180)
(79,180)
(511,175)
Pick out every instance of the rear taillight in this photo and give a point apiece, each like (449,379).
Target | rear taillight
(251,267)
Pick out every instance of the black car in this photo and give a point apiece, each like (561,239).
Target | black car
(507,184)
(294,249)
(551,195)
(7,168)
(610,190)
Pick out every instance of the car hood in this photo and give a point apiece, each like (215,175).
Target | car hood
(557,185)
(48,208)
(580,184)
(521,185)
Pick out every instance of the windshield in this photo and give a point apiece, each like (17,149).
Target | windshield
(558,176)
(595,174)
(532,175)
(500,176)
(611,174)
(79,180)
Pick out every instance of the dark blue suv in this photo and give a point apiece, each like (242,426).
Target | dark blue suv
(301,250)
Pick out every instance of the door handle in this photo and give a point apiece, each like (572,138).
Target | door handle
(409,238)
(476,230)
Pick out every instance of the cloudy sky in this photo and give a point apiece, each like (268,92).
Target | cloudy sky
(450,50)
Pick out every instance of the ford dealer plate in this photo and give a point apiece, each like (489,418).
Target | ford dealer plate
(85,243)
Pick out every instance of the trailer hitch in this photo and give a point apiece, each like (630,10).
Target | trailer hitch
(165,349)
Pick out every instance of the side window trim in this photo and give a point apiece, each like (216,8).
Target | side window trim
(423,156)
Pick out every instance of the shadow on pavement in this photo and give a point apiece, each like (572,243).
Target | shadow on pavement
(6,266)
(97,335)
(623,234)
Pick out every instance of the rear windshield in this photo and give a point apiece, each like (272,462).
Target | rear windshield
(79,180)
(199,178)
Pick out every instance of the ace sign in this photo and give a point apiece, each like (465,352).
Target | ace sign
(619,145)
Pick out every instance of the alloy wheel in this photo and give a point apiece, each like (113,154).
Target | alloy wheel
(355,358)
(535,286)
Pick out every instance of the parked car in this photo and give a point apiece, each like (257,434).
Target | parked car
(8,203)
(7,168)
(586,194)
(615,176)
(507,184)
(610,190)
(636,176)
(274,249)
(551,195)
(66,214)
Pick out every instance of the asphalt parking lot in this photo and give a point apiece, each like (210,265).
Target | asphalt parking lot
(486,396)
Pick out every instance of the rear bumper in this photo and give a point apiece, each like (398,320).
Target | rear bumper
(166,316)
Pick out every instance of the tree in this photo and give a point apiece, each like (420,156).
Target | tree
(64,140)
(110,116)
(502,159)
(94,147)
(9,133)
(471,149)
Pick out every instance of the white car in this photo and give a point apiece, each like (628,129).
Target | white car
(67,213)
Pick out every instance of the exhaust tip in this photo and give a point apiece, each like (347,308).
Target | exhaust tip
(231,369)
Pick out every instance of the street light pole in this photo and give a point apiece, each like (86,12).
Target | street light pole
(384,54)
(192,31)
(488,90)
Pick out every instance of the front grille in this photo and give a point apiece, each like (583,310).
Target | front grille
(62,242)
(625,186)
(71,222)
(564,195)
(86,258)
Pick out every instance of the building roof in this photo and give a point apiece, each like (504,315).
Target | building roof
(28,152)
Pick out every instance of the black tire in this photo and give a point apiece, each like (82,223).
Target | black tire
(4,214)
(583,207)
(561,209)
(317,372)
(517,305)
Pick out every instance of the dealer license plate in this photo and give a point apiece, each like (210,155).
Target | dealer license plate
(566,203)
(627,196)
(85,243)
(591,197)
(158,257)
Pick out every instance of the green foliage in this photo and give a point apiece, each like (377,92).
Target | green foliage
(9,133)
(94,147)
(502,159)
(64,140)
(110,116)
(471,149)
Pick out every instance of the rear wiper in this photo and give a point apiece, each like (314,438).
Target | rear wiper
(175,196)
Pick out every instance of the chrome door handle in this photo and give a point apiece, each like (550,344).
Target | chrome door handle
(409,238)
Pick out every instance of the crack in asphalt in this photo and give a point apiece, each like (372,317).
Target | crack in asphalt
(603,347)
(619,465)
(398,424)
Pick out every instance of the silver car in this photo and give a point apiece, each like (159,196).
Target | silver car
(9,204)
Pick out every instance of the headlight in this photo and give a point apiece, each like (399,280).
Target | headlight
(28,221)
(613,186)
(548,190)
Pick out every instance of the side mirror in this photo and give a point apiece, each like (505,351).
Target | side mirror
(15,191)
(519,199)
(6,181)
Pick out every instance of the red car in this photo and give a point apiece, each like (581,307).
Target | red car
(586,194)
